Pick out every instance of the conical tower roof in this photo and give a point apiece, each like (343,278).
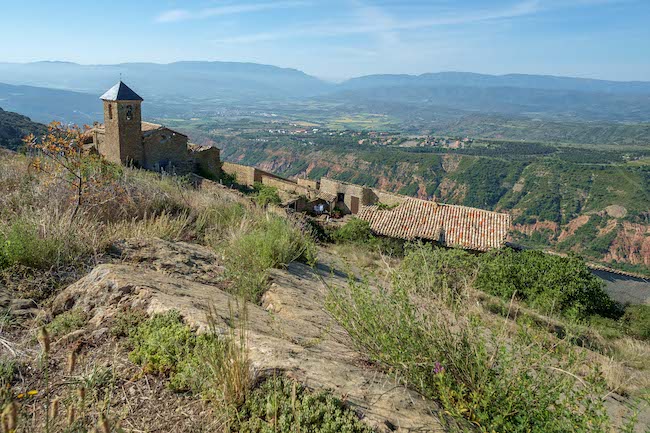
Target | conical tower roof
(121,92)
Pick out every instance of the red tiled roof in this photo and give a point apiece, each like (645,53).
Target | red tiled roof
(451,225)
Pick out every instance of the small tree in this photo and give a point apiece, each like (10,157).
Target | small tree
(61,154)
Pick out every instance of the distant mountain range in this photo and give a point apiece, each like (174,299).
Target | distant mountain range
(187,88)
(469,79)
(45,104)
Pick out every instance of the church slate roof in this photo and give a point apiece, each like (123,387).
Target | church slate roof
(121,92)
(450,225)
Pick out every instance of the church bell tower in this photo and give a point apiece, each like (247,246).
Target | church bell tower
(123,126)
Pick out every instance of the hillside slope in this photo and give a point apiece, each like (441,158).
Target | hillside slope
(599,210)
(162,304)
(14,127)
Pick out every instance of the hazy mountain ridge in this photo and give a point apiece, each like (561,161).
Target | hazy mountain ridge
(191,79)
(471,79)
(419,103)
(45,105)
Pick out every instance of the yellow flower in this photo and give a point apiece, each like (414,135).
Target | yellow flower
(32,392)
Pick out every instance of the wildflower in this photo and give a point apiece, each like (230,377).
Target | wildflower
(438,368)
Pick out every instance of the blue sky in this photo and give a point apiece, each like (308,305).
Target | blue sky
(338,39)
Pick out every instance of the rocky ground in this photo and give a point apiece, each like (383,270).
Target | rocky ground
(289,333)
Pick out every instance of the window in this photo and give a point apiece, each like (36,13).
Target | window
(129,112)
(110,111)
(340,197)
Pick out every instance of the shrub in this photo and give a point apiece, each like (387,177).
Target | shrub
(162,343)
(521,384)
(219,368)
(127,322)
(22,242)
(637,321)
(273,242)
(266,195)
(356,230)
(282,406)
(551,284)
(444,273)
(67,322)
(208,364)
(8,371)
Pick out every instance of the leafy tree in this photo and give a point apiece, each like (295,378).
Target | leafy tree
(552,284)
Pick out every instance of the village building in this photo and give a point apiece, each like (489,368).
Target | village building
(448,225)
(124,138)
(389,214)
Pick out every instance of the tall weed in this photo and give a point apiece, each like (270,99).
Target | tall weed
(525,383)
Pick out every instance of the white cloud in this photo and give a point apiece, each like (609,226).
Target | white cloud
(173,15)
(374,20)
(231,9)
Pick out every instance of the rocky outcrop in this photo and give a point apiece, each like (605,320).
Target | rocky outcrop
(290,332)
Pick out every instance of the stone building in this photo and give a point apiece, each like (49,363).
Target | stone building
(125,138)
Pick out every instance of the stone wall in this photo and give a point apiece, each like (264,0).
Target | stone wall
(288,186)
(244,175)
(313,184)
(123,132)
(108,143)
(388,198)
(208,161)
(354,196)
(166,149)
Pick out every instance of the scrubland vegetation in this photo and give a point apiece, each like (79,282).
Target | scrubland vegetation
(499,342)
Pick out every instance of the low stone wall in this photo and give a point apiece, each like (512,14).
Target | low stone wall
(287,186)
(243,174)
(388,198)
(313,184)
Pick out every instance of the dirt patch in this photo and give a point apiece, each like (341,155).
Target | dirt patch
(529,229)
(632,245)
(450,162)
(573,225)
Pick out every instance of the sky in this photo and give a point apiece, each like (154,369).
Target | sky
(339,39)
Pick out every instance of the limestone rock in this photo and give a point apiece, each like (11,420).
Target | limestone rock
(291,332)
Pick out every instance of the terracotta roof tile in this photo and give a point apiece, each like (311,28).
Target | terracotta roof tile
(451,225)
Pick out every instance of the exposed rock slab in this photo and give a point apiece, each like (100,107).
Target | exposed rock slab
(291,332)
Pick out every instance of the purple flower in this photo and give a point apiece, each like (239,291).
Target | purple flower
(438,368)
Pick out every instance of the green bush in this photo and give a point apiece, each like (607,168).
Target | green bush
(8,372)
(551,284)
(67,322)
(21,243)
(126,322)
(433,271)
(492,383)
(637,321)
(356,230)
(266,195)
(283,406)
(209,364)
(274,242)
(162,343)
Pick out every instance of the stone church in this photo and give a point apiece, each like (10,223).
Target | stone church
(125,138)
